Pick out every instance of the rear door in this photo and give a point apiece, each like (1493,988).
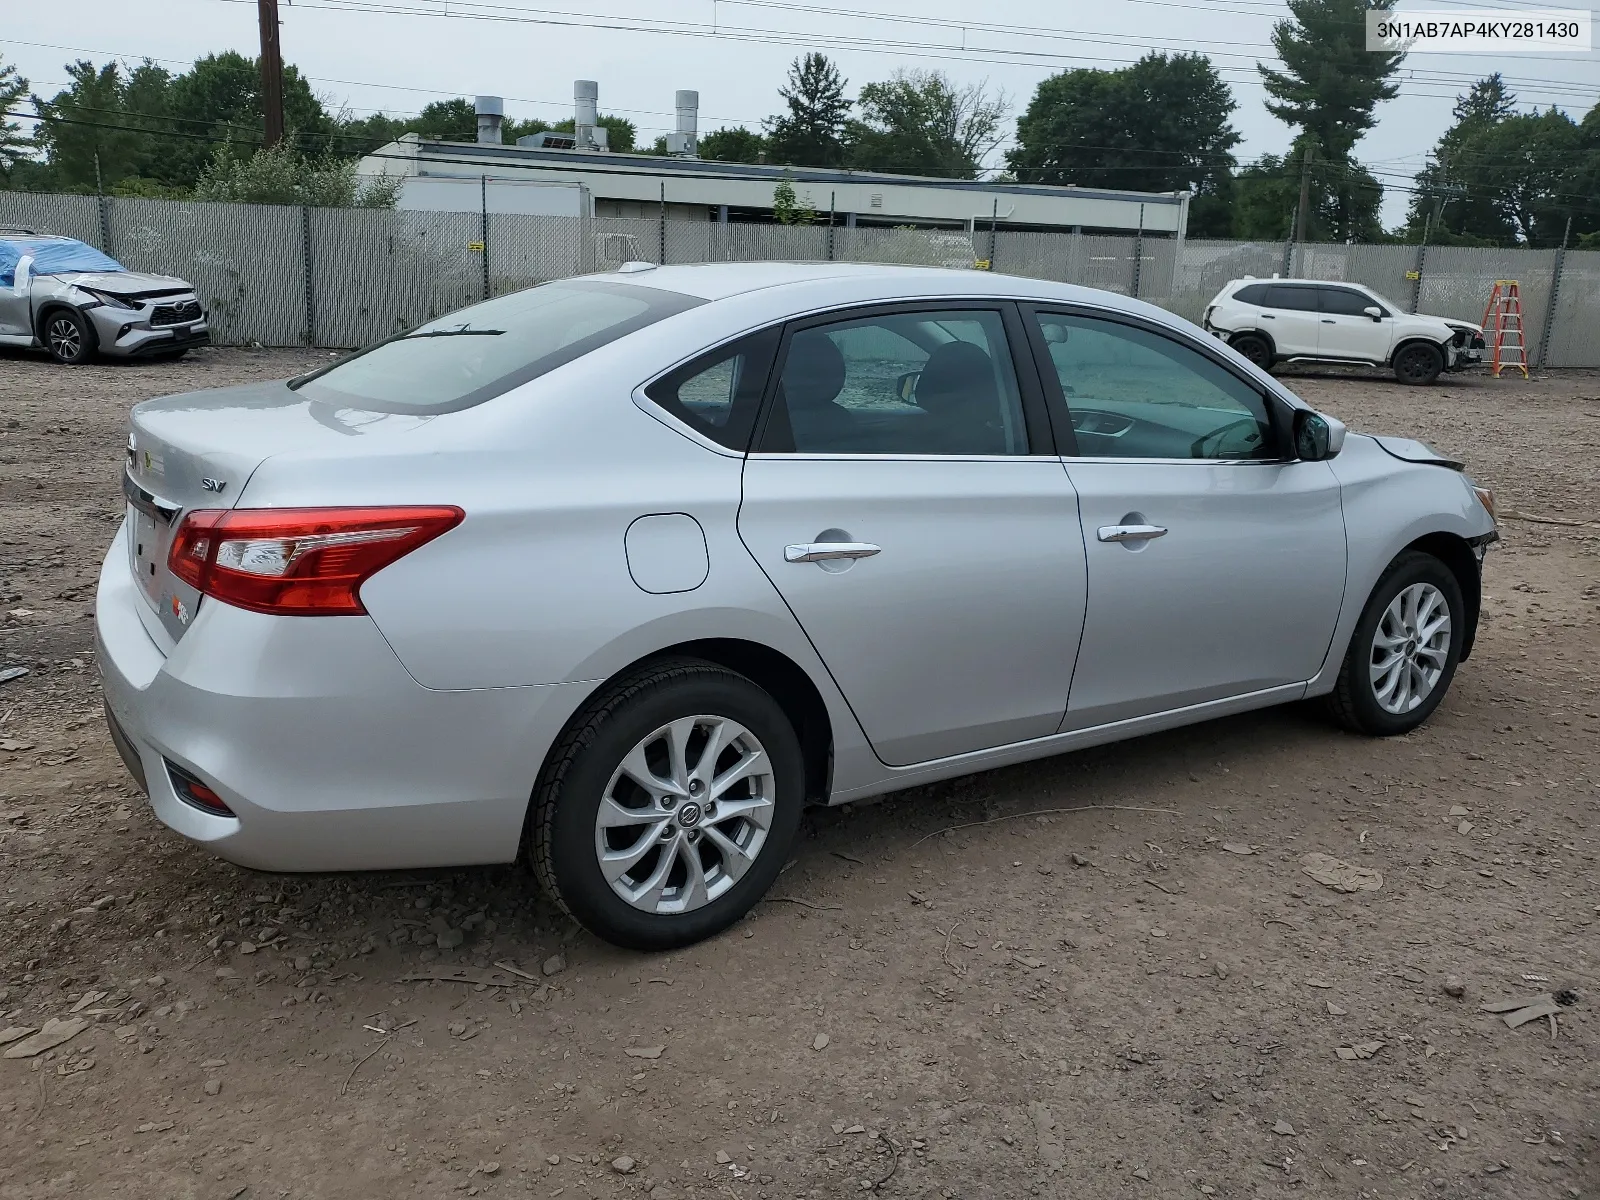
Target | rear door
(1348,330)
(1216,566)
(905,499)
(1291,316)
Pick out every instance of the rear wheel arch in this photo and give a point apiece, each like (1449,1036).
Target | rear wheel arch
(771,670)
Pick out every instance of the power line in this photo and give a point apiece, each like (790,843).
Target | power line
(509,14)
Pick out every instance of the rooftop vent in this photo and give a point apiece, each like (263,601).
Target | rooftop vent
(491,112)
(685,141)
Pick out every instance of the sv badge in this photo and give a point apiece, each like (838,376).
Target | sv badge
(213,485)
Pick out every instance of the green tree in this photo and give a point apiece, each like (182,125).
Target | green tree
(283,175)
(788,208)
(1331,83)
(737,144)
(1524,168)
(84,130)
(14,144)
(811,132)
(1330,88)
(1345,200)
(919,123)
(1444,204)
(1160,125)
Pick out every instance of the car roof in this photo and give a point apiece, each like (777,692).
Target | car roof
(1306,282)
(722,281)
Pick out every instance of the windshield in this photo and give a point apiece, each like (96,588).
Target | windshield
(480,352)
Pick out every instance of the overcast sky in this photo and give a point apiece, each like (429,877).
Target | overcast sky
(397,55)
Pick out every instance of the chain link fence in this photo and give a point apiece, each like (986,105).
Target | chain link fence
(346,277)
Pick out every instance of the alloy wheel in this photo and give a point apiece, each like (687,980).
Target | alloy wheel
(1410,647)
(685,815)
(66,339)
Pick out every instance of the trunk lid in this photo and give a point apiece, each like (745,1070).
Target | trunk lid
(198,450)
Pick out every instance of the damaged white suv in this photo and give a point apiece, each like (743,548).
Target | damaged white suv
(1305,320)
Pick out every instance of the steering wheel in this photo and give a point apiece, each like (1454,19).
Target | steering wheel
(1197,448)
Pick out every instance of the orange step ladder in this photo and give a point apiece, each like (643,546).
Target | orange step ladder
(1502,328)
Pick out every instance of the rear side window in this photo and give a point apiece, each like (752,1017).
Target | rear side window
(1345,302)
(718,394)
(479,352)
(1297,299)
(1256,293)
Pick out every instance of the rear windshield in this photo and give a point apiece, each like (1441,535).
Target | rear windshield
(479,352)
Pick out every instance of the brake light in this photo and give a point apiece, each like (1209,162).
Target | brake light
(308,562)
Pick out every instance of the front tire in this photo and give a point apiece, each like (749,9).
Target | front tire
(669,806)
(69,337)
(1404,651)
(1418,364)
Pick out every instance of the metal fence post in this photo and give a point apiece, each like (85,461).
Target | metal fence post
(994,218)
(1138,252)
(311,297)
(1555,298)
(483,229)
(1416,282)
(1288,258)
(105,224)
(663,222)
(832,200)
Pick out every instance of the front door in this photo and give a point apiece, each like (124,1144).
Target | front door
(1216,569)
(905,502)
(1348,330)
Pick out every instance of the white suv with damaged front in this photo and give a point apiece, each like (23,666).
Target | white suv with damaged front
(617,574)
(1271,321)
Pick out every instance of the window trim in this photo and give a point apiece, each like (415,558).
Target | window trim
(1037,427)
(1279,412)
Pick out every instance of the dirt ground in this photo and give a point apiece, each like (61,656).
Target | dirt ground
(1146,999)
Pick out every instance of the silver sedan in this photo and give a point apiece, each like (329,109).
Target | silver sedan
(619,573)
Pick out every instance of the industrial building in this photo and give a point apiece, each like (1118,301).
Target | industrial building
(577,175)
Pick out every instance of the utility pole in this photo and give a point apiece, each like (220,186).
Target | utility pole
(271,72)
(1303,215)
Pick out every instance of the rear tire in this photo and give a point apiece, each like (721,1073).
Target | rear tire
(1255,348)
(1418,364)
(612,837)
(69,337)
(1396,671)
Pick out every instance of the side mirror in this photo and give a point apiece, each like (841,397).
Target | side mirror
(906,386)
(1317,438)
(1373,311)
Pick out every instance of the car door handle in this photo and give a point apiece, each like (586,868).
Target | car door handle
(1131,533)
(1268,317)
(1329,321)
(828,551)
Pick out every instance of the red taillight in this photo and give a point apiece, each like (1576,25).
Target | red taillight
(308,562)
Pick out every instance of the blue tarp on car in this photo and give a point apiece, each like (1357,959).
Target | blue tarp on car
(51,256)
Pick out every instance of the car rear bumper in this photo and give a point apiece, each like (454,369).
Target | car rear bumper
(330,756)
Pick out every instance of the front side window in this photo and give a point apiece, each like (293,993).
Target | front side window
(1346,303)
(934,382)
(486,349)
(1134,393)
